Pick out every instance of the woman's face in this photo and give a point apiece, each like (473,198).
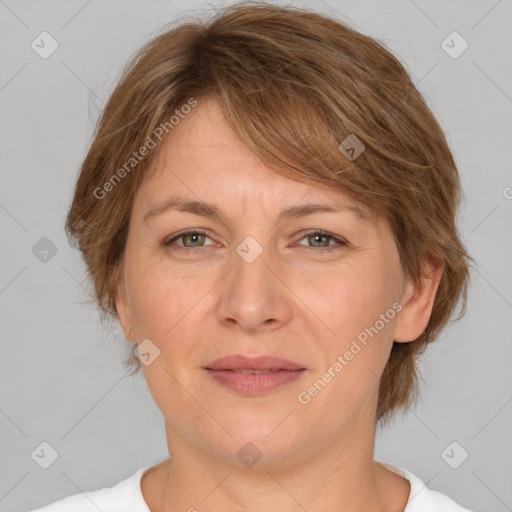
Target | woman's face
(254,284)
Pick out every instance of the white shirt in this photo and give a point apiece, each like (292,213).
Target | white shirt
(126,496)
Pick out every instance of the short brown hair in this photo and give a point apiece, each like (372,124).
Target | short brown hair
(293,84)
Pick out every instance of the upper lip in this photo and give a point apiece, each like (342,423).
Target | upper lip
(238,362)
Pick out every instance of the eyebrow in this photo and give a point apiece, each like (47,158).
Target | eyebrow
(211,211)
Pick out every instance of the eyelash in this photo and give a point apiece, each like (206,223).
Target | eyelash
(315,250)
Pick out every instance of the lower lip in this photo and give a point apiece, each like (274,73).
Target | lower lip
(254,384)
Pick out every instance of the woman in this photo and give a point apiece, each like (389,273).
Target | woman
(268,208)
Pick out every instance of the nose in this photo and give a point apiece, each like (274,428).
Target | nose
(253,296)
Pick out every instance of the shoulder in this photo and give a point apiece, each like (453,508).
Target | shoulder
(125,495)
(421,498)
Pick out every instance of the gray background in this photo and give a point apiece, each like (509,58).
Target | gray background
(62,380)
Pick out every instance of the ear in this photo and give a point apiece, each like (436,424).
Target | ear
(123,312)
(417,304)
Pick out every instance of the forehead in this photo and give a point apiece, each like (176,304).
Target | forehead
(202,160)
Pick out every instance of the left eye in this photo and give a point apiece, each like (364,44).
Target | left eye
(197,236)
(339,243)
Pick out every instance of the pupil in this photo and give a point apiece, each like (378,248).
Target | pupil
(194,237)
(318,237)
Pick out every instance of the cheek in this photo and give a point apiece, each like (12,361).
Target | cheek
(160,297)
(350,302)
(348,298)
(167,309)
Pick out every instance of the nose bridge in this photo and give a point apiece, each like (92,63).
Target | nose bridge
(252,296)
(251,262)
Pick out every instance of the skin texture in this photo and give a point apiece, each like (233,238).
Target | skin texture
(303,306)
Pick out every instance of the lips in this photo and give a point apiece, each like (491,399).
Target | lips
(254,376)
(254,365)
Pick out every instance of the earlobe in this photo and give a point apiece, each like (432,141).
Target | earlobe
(417,304)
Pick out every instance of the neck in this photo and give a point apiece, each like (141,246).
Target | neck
(339,476)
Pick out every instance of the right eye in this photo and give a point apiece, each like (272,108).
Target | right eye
(195,235)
